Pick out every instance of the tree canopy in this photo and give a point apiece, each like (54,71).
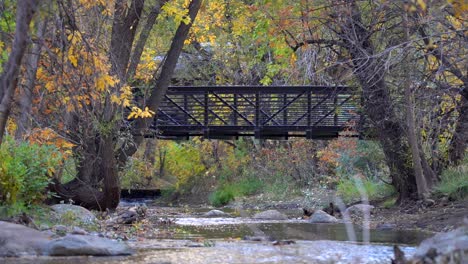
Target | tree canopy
(88,76)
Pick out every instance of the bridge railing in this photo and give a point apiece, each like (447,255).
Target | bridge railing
(263,111)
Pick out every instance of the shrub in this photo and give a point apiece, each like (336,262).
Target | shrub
(25,172)
(222,196)
(228,192)
(349,191)
(454,181)
(248,186)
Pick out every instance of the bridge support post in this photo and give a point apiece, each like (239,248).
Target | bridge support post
(258,124)
(234,114)
(309,115)
(257,133)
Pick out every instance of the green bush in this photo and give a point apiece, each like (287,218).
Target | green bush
(25,172)
(248,186)
(348,189)
(228,192)
(454,181)
(222,196)
(368,160)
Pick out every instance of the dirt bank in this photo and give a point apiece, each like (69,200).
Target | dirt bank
(441,216)
(435,216)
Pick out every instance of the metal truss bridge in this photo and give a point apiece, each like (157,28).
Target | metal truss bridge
(265,112)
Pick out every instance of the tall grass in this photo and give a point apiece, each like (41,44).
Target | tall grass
(454,181)
(229,191)
(348,190)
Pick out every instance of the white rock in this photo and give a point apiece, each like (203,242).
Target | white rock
(216,213)
(80,213)
(76,245)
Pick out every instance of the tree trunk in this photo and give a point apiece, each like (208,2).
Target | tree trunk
(110,175)
(459,143)
(124,27)
(378,104)
(97,184)
(150,157)
(24,14)
(411,130)
(162,83)
(413,142)
(164,80)
(25,101)
(144,34)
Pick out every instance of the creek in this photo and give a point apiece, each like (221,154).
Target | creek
(197,239)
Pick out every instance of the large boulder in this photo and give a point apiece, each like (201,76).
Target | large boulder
(216,213)
(450,247)
(320,216)
(17,240)
(74,212)
(270,215)
(76,245)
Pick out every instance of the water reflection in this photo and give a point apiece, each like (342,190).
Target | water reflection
(300,231)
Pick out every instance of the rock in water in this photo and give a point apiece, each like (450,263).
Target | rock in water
(75,245)
(270,215)
(320,216)
(17,240)
(450,247)
(216,213)
(79,213)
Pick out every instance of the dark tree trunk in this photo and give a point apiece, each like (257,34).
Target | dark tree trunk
(97,185)
(144,34)
(164,80)
(110,173)
(25,101)
(459,143)
(162,83)
(24,14)
(412,131)
(124,27)
(378,105)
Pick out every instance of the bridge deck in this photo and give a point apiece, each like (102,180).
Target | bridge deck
(260,111)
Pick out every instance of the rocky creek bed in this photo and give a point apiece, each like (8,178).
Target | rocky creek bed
(198,235)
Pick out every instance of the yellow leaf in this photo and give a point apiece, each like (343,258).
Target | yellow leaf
(73,60)
(422,4)
(132,115)
(115,99)
(126,103)
(101,84)
(50,86)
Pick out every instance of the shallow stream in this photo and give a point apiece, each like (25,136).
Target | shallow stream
(220,240)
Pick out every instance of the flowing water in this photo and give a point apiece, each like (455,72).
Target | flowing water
(220,240)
